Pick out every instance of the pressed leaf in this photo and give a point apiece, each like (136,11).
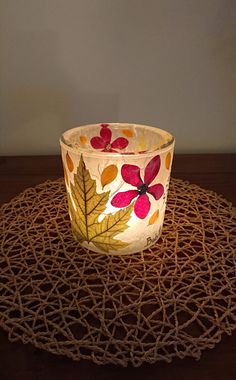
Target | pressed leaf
(168,160)
(108,174)
(65,175)
(69,162)
(102,234)
(142,146)
(154,217)
(87,206)
(76,227)
(162,141)
(83,140)
(128,132)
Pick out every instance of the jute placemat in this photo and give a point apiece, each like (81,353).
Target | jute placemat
(173,300)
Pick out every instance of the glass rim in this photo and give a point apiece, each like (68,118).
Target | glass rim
(163,148)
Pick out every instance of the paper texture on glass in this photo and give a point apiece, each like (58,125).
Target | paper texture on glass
(117,178)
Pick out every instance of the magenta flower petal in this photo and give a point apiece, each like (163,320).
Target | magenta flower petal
(105,134)
(156,190)
(142,206)
(120,143)
(131,174)
(97,142)
(124,198)
(152,169)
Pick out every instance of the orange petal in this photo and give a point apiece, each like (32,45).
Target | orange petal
(154,217)
(83,140)
(168,160)
(128,132)
(108,175)
(69,162)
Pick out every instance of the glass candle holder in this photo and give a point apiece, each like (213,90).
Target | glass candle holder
(117,177)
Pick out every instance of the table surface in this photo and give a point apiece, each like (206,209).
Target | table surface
(216,172)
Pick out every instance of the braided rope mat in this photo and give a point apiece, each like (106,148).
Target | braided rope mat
(172,300)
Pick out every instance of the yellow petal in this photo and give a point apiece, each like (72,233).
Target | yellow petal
(154,217)
(83,140)
(69,162)
(108,175)
(168,160)
(128,132)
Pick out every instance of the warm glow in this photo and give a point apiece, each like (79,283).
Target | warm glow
(116,192)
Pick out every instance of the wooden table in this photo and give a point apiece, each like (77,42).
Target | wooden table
(18,361)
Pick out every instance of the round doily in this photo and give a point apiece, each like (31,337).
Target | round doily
(172,300)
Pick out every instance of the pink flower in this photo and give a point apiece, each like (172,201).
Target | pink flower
(131,175)
(104,140)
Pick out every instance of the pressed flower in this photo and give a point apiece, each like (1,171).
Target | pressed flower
(104,141)
(83,140)
(131,175)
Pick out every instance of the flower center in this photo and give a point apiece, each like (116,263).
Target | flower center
(108,146)
(142,189)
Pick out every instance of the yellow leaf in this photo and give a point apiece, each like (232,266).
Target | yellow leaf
(141,143)
(65,175)
(83,140)
(102,234)
(128,132)
(154,217)
(86,208)
(69,162)
(108,175)
(168,160)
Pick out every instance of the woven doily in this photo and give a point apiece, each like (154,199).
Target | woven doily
(172,300)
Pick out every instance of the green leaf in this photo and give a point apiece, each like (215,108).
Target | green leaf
(87,206)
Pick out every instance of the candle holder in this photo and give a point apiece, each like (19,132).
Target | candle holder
(117,178)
